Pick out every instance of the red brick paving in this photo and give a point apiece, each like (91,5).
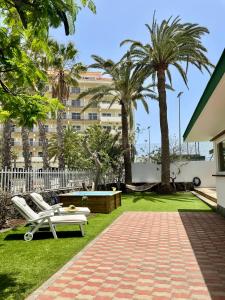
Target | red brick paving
(152,256)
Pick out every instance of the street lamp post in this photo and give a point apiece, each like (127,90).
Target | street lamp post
(179,96)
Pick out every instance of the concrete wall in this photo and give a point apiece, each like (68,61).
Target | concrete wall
(184,172)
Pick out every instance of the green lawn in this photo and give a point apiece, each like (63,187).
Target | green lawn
(25,265)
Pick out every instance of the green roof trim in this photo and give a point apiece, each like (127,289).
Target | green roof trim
(212,84)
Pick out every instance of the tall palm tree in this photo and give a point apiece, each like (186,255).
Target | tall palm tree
(126,89)
(171,44)
(44,145)
(26,147)
(7,144)
(65,73)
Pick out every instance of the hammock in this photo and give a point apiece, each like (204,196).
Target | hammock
(141,188)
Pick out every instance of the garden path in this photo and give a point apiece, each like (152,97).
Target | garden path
(144,255)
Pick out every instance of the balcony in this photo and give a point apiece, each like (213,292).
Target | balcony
(107,106)
(110,119)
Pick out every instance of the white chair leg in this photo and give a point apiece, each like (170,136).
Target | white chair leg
(37,226)
(82,229)
(52,228)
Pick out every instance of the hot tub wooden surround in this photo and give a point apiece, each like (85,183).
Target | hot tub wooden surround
(96,201)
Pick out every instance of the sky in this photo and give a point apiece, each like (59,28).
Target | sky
(117,20)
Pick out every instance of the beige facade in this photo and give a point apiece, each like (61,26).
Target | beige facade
(102,114)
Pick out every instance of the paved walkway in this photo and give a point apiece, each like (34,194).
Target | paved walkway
(147,256)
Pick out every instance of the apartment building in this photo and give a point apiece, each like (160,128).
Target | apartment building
(102,114)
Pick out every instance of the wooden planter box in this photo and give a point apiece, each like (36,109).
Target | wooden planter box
(97,202)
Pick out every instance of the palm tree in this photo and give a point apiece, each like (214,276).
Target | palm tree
(26,147)
(7,144)
(65,73)
(172,44)
(44,145)
(126,89)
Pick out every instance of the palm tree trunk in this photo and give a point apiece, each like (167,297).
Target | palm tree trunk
(26,148)
(126,144)
(44,141)
(165,150)
(7,145)
(59,93)
(60,140)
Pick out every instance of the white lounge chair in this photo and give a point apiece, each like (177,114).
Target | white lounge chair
(42,205)
(45,219)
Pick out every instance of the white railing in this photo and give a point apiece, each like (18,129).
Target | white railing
(21,181)
(35,180)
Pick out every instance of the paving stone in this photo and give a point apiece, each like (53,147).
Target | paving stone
(144,255)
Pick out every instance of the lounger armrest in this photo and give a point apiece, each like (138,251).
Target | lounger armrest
(44,215)
(58,205)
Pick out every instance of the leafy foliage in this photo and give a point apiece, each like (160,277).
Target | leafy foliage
(38,16)
(99,141)
(171,44)
(127,86)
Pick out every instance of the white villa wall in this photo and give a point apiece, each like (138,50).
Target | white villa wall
(220,181)
(184,171)
(220,189)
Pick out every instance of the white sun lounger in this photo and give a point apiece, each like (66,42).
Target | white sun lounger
(46,218)
(42,205)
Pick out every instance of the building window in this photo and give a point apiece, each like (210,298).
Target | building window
(64,115)
(40,143)
(75,90)
(76,116)
(13,128)
(46,128)
(31,142)
(106,115)
(76,103)
(12,142)
(40,154)
(119,115)
(92,116)
(31,154)
(77,127)
(221,156)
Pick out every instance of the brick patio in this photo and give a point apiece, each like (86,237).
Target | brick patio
(147,256)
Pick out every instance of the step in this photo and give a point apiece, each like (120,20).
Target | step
(209,202)
(207,194)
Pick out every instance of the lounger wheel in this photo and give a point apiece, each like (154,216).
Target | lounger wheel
(28,236)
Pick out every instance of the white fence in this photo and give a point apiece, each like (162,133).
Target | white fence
(184,171)
(37,180)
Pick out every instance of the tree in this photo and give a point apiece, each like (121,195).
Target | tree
(23,21)
(27,111)
(95,149)
(126,89)
(7,144)
(172,44)
(40,15)
(74,155)
(65,73)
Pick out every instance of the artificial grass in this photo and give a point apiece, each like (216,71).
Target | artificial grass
(26,265)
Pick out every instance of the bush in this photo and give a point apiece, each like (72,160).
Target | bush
(5,208)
